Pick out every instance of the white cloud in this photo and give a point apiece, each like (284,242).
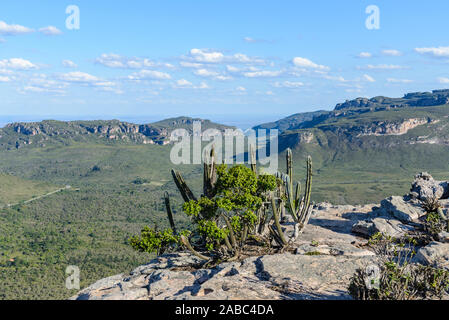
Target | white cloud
(383,67)
(4,79)
(253,40)
(438,52)
(18,64)
(364,55)
(187,64)
(78,76)
(250,40)
(183,83)
(112,60)
(262,74)
(443,80)
(289,84)
(13,29)
(205,73)
(241,89)
(50,31)
(394,80)
(149,74)
(211,74)
(392,53)
(203,55)
(368,78)
(69,64)
(306,63)
(334,78)
(216,57)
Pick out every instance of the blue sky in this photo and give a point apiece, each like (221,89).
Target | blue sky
(249,59)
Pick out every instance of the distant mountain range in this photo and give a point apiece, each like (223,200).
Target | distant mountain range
(48,132)
(409,132)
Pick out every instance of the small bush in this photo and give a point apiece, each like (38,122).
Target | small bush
(154,241)
(398,278)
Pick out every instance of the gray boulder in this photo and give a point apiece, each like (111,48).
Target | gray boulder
(435,254)
(401,209)
(387,226)
(426,187)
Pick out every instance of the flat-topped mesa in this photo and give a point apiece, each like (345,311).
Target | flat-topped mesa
(414,99)
(22,133)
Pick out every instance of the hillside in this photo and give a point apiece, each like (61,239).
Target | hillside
(367,146)
(51,132)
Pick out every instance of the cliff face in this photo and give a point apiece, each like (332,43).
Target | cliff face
(17,135)
(416,99)
(380,128)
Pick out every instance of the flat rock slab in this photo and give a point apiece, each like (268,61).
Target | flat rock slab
(385,225)
(402,210)
(435,254)
(280,276)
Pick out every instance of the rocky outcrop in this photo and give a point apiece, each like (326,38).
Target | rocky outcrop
(385,128)
(318,265)
(402,210)
(426,187)
(326,256)
(434,254)
(416,99)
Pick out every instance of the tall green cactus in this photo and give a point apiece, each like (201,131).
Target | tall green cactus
(298,207)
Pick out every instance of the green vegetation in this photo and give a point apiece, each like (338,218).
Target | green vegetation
(231,209)
(398,278)
(14,190)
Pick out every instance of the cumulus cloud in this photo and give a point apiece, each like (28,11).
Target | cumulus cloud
(4,79)
(205,73)
(443,80)
(364,55)
(437,52)
(394,80)
(112,60)
(18,64)
(289,84)
(78,76)
(203,55)
(308,64)
(13,29)
(216,57)
(69,64)
(392,53)
(211,74)
(149,75)
(368,78)
(334,78)
(50,31)
(187,64)
(382,67)
(263,74)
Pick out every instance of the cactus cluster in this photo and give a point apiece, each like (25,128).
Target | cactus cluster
(237,204)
